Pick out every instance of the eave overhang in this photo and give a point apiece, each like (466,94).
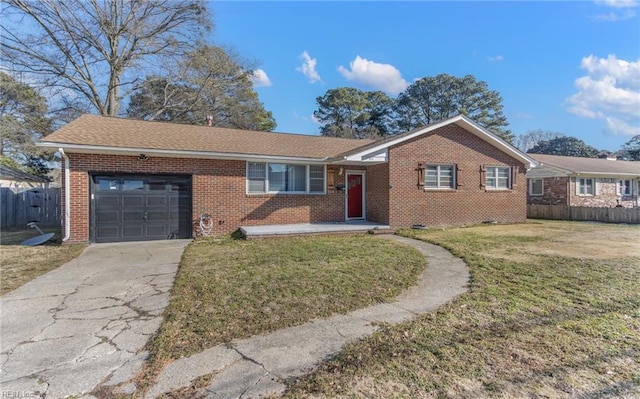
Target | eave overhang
(132,151)
(379,153)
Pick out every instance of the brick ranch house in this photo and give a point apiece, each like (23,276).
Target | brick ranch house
(129,180)
(586,182)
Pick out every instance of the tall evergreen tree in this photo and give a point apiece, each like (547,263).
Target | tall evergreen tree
(567,146)
(432,99)
(23,120)
(352,113)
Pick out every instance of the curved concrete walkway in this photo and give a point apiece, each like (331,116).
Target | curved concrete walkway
(258,365)
(85,323)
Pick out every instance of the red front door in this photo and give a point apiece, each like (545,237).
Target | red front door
(354,196)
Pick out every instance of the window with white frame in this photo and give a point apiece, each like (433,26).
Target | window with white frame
(536,187)
(585,186)
(624,187)
(267,177)
(498,178)
(440,177)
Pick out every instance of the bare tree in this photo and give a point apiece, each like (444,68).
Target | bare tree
(211,83)
(532,138)
(94,50)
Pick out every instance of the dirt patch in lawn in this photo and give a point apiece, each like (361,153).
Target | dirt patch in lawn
(20,264)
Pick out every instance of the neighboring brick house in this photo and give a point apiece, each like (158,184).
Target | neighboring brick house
(592,182)
(134,180)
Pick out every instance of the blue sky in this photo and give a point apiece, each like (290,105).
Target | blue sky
(571,67)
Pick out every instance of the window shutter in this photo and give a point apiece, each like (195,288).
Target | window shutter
(597,188)
(618,187)
(514,173)
(483,176)
(420,170)
(458,185)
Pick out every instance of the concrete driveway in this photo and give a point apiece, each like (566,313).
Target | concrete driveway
(85,324)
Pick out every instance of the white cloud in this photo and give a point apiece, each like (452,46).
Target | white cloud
(618,3)
(308,67)
(378,76)
(523,115)
(615,16)
(610,92)
(622,9)
(311,118)
(497,58)
(260,78)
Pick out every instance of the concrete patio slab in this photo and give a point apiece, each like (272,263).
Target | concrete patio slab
(356,226)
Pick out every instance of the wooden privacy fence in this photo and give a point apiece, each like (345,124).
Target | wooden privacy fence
(584,213)
(41,205)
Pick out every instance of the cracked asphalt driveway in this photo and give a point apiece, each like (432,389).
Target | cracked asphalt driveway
(86,323)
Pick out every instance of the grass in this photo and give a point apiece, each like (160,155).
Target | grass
(228,289)
(553,312)
(20,264)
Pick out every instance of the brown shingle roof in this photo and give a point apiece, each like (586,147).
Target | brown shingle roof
(588,165)
(93,130)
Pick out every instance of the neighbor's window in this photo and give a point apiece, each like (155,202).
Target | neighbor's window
(624,187)
(584,186)
(536,187)
(440,177)
(264,177)
(498,178)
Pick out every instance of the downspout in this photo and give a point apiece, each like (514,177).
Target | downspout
(67,195)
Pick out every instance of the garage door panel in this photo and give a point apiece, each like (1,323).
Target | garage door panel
(158,230)
(107,201)
(157,200)
(131,208)
(132,216)
(108,216)
(157,216)
(107,232)
(132,200)
(133,230)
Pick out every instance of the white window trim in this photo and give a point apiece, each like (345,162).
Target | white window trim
(307,180)
(439,187)
(619,186)
(531,193)
(579,184)
(496,188)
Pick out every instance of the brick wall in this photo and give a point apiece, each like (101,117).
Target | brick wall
(562,191)
(470,203)
(218,189)
(554,192)
(606,195)
(393,195)
(378,193)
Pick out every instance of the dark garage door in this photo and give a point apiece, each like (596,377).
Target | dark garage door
(138,208)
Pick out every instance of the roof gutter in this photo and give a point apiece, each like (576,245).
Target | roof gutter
(96,149)
(67,195)
(606,174)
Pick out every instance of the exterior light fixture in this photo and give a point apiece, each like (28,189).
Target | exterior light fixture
(142,157)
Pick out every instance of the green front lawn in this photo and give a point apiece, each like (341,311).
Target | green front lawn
(228,289)
(553,312)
